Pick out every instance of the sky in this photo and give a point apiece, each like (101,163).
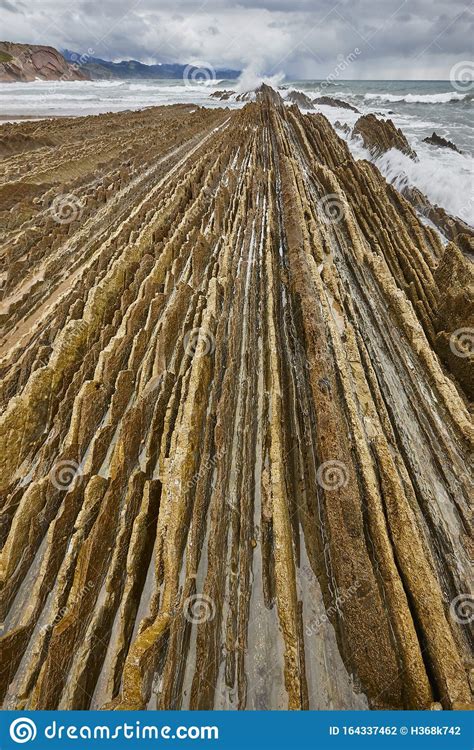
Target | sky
(352,39)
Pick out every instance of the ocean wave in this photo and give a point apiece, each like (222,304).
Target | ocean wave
(147,88)
(450,96)
(444,177)
(250,79)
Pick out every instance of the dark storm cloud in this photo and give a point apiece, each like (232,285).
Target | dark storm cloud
(304,38)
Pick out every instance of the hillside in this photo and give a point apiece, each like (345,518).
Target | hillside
(104,69)
(29,62)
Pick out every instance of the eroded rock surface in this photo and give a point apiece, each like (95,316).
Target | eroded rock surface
(301,99)
(222,95)
(234,457)
(379,136)
(330,101)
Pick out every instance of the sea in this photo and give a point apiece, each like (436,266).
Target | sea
(417,107)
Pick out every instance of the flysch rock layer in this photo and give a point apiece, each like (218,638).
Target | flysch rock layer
(235,432)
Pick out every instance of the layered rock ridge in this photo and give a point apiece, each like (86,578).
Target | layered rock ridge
(236,432)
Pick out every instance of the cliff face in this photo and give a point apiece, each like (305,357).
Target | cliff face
(233,463)
(28,62)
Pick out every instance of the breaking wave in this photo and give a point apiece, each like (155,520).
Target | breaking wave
(250,79)
(450,96)
(445,178)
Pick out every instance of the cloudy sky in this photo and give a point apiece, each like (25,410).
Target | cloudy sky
(412,39)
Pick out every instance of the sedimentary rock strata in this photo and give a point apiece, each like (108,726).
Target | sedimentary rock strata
(330,101)
(30,62)
(222,95)
(379,136)
(235,452)
(298,97)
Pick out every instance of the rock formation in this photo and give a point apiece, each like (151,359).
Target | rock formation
(452,227)
(29,62)
(223,95)
(235,448)
(437,140)
(298,97)
(332,102)
(342,126)
(379,136)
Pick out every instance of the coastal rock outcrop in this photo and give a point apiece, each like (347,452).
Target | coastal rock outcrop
(437,140)
(454,318)
(452,227)
(300,98)
(330,101)
(222,95)
(29,62)
(379,136)
(234,460)
(343,126)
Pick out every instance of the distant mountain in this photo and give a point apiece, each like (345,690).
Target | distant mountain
(30,62)
(99,69)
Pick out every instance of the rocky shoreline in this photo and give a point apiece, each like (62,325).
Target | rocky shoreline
(236,435)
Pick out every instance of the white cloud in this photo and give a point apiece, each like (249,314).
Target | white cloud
(415,39)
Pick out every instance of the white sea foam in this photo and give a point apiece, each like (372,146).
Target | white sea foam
(250,79)
(445,177)
(450,96)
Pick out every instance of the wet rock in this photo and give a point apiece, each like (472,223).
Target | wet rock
(300,99)
(342,126)
(452,227)
(330,101)
(222,95)
(235,432)
(379,136)
(454,321)
(437,140)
